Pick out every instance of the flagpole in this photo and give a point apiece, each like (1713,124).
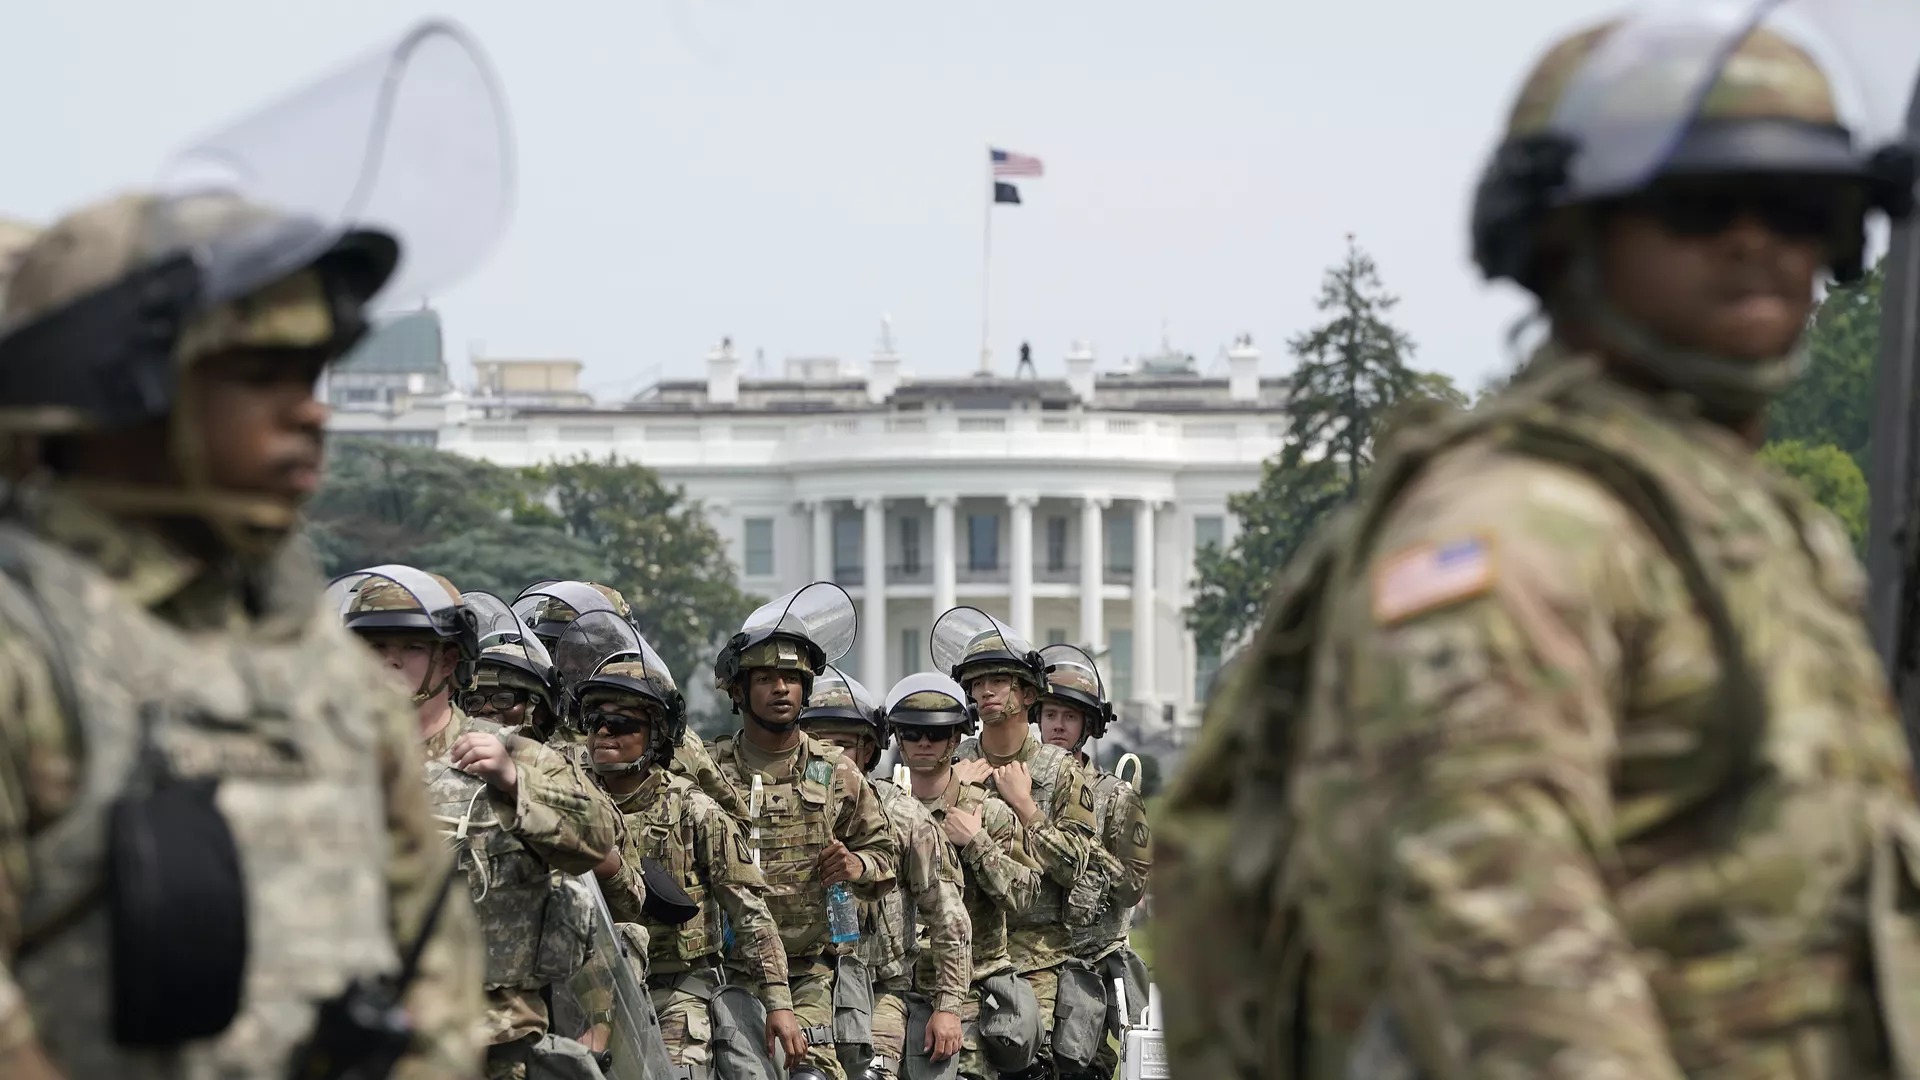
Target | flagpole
(986,274)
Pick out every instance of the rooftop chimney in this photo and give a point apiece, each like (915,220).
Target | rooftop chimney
(723,374)
(1080,372)
(883,371)
(1243,370)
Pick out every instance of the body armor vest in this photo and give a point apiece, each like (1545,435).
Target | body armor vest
(889,927)
(662,824)
(509,883)
(796,825)
(1049,922)
(1108,931)
(989,919)
(278,713)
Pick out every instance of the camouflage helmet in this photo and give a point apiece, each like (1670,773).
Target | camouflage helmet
(1074,679)
(803,631)
(509,656)
(548,607)
(643,678)
(967,644)
(397,599)
(930,699)
(1617,107)
(838,697)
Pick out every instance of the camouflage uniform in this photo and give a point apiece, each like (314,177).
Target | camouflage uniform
(705,849)
(1563,753)
(814,796)
(917,938)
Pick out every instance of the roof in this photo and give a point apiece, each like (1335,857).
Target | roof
(407,345)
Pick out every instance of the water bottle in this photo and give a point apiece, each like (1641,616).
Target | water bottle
(843,915)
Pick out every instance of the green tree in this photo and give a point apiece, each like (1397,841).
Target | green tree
(661,551)
(1351,377)
(1830,475)
(1832,402)
(384,503)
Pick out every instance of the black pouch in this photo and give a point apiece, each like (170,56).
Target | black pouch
(666,899)
(177,904)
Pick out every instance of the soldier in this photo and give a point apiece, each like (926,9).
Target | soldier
(931,979)
(1564,753)
(1054,799)
(634,713)
(928,715)
(213,852)
(821,825)
(549,607)
(513,681)
(518,810)
(1073,710)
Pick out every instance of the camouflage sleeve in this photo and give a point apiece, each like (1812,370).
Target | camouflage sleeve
(997,855)
(38,775)
(691,760)
(742,893)
(558,812)
(626,890)
(862,826)
(445,1002)
(931,877)
(1130,841)
(1483,695)
(1061,840)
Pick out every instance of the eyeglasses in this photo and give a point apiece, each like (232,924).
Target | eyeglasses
(498,700)
(1697,209)
(920,734)
(616,723)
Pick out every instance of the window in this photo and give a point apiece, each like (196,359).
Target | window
(1056,636)
(758,547)
(910,547)
(846,546)
(983,541)
(1056,543)
(1120,543)
(1206,662)
(913,654)
(1120,660)
(1209,530)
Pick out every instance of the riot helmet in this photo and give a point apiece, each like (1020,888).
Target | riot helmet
(928,699)
(840,701)
(802,632)
(547,607)
(1073,679)
(630,672)
(511,658)
(968,644)
(396,599)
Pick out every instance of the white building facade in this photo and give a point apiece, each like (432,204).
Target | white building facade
(1072,508)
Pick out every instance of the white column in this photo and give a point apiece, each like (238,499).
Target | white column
(822,539)
(943,560)
(1092,577)
(873,616)
(1143,559)
(1020,563)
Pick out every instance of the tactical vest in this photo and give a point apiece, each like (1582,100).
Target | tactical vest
(1230,865)
(796,825)
(508,881)
(668,831)
(889,927)
(1045,929)
(1108,931)
(283,721)
(989,919)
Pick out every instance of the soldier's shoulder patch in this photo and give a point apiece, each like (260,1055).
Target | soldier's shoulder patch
(1142,836)
(1086,796)
(740,851)
(1427,576)
(820,771)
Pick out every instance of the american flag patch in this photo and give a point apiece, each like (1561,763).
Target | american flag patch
(1428,576)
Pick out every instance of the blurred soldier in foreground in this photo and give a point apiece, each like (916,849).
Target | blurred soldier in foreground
(215,852)
(1052,795)
(821,832)
(515,809)
(1075,709)
(916,940)
(1562,752)
(928,715)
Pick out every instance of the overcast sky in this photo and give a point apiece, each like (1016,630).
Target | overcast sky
(786,171)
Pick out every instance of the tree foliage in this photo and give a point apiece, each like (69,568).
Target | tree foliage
(1832,403)
(499,529)
(1351,377)
(1830,476)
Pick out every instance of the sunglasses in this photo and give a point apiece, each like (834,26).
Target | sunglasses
(920,734)
(499,700)
(1803,210)
(616,723)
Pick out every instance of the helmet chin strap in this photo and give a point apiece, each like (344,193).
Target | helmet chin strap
(1723,384)
(615,768)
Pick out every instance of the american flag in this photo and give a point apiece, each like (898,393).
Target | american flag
(1008,163)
